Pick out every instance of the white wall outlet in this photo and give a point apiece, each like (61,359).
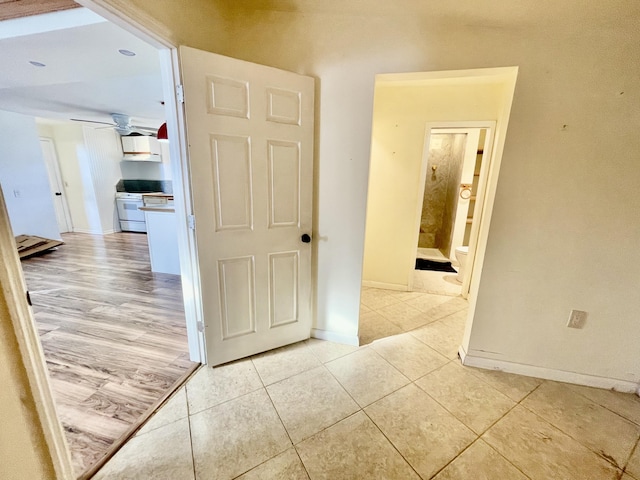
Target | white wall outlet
(577,319)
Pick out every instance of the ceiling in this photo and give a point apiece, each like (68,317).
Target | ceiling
(84,75)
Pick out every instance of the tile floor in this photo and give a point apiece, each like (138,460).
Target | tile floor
(399,408)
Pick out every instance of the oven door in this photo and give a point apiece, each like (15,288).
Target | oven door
(128,210)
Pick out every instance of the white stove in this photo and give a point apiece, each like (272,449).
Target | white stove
(131,218)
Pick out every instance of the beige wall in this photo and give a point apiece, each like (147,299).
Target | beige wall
(400,117)
(565,196)
(23,449)
(564,231)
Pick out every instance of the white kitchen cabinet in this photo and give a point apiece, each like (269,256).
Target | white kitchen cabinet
(162,237)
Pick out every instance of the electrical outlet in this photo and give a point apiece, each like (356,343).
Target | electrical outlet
(577,319)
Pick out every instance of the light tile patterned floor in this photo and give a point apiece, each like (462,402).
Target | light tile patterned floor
(399,408)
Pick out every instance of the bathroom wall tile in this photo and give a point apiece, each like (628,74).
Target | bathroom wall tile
(309,402)
(352,449)
(471,400)
(212,386)
(425,434)
(366,376)
(281,363)
(286,466)
(163,453)
(597,428)
(234,437)
(480,462)
(409,355)
(541,451)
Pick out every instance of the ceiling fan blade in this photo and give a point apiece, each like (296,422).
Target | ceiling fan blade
(148,129)
(91,121)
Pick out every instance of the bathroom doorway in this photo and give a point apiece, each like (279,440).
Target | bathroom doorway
(452,166)
(406,108)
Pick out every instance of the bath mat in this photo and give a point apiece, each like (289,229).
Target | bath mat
(422,264)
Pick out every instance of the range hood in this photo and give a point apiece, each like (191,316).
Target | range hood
(140,148)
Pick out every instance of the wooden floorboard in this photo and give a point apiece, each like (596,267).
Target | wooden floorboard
(113,334)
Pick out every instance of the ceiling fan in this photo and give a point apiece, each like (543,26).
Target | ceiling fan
(122,125)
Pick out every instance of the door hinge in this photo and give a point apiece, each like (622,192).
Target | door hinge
(200,326)
(191,221)
(180,93)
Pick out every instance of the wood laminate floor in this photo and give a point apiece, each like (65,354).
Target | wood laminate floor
(113,334)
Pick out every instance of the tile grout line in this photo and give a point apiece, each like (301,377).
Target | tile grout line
(633,450)
(391,443)
(598,454)
(479,436)
(193,455)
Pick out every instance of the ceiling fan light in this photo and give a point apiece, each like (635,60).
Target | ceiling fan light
(162,133)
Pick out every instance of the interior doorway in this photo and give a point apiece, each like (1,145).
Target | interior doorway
(454,183)
(63,216)
(411,113)
(94,298)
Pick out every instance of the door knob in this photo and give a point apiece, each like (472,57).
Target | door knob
(58,194)
(305,238)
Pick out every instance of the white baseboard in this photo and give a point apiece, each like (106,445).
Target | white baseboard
(335,337)
(93,232)
(549,373)
(385,286)
(87,230)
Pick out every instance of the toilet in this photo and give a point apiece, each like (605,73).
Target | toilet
(461,256)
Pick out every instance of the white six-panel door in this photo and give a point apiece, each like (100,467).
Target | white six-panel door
(250,141)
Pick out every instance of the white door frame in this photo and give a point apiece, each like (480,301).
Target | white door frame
(490,125)
(66,213)
(11,276)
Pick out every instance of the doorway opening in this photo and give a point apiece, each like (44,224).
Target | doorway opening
(452,163)
(115,335)
(422,195)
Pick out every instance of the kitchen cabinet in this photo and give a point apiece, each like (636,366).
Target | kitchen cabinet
(162,237)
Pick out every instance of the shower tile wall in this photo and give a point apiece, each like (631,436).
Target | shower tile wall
(446,152)
(456,160)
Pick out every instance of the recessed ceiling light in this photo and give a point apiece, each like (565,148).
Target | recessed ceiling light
(127,53)
(36,64)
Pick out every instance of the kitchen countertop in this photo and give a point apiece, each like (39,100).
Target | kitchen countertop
(158,208)
(159,195)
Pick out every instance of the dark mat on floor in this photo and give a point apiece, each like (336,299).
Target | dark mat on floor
(422,264)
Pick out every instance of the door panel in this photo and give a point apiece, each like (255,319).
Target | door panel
(231,161)
(250,136)
(63,217)
(284,183)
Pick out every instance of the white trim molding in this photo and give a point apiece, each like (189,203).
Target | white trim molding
(335,337)
(624,386)
(386,286)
